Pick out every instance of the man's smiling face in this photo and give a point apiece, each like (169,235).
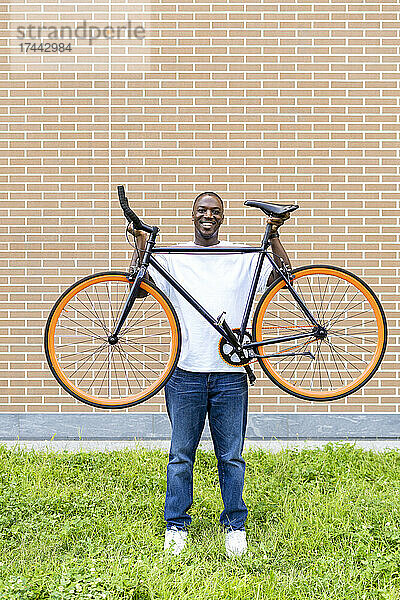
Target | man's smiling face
(207,216)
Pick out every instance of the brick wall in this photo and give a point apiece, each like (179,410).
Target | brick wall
(281,101)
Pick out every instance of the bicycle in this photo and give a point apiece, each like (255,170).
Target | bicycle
(113,339)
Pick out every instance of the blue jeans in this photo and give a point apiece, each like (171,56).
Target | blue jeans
(190,397)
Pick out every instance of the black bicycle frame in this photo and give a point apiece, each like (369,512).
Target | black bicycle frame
(218,323)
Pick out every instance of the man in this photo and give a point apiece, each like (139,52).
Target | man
(203,383)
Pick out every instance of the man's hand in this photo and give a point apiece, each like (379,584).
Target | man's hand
(140,240)
(137,256)
(137,233)
(276,222)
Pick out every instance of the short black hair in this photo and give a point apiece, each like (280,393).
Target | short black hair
(207,194)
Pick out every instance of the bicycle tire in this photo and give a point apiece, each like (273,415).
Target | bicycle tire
(85,310)
(341,372)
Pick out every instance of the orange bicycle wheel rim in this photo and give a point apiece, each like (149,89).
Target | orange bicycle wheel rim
(369,369)
(92,399)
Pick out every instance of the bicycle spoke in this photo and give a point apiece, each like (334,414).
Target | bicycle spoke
(312,294)
(319,288)
(345,358)
(326,369)
(95,320)
(337,368)
(289,298)
(353,337)
(300,293)
(339,302)
(131,317)
(279,326)
(338,355)
(94,309)
(297,315)
(116,316)
(345,310)
(122,303)
(329,303)
(297,365)
(107,286)
(349,341)
(145,353)
(73,343)
(157,350)
(148,318)
(353,316)
(96,355)
(143,365)
(99,370)
(351,354)
(142,337)
(348,327)
(133,370)
(74,362)
(293,358)
(319,364)
(123,365)
(116,374)
(306,371)
(79,325)
(315,364)
(322,300)
(95,337)
(76,353)
(110,351)
(93,312)
(99,303)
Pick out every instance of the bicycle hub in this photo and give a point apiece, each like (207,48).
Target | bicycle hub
(320,333)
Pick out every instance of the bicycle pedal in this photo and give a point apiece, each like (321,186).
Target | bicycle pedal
(250,374)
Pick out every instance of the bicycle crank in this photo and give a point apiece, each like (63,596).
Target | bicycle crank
(230,355)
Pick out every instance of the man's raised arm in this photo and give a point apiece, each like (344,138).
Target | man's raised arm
(137,255)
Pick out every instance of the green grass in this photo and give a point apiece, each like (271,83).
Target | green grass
(323,524)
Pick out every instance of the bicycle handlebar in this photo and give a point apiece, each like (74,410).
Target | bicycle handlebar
(129,214)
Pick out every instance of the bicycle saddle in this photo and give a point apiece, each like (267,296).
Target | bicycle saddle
(269,208)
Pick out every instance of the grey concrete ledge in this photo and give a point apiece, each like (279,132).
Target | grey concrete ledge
(155,426)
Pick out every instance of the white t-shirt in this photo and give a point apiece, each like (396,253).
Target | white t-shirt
(219,282)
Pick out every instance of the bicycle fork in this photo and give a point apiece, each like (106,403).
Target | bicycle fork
(139,276)
(137,280)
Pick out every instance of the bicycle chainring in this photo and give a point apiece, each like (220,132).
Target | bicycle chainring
(228,353)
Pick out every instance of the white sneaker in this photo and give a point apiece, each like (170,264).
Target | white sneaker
(175,540)
(235,542)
